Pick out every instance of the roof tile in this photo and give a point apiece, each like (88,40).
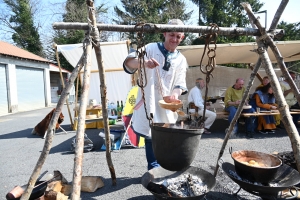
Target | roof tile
(11,50)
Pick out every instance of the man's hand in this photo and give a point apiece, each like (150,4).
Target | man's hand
(237,102)
(171,99)
(273,107)
(151,63)
(285,93)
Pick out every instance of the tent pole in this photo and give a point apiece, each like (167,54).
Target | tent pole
(76,100)
(63,82)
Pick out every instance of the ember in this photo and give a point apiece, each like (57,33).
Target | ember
(185,185)
(236,176)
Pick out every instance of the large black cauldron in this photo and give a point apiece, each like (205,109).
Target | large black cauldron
(158,174)
(174,147)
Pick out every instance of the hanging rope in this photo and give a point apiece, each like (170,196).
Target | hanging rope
(141,53)
(210,39)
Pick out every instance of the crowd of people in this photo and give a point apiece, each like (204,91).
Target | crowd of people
(165,72)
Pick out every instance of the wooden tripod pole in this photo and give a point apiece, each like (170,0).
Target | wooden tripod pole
(257,75)
(77,170)
(96,45)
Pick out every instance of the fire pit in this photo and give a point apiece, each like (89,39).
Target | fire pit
(159,174)
(175,147)
(285,178)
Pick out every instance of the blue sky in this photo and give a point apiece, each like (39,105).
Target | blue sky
(289,15)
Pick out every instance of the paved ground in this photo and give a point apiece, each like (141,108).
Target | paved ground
(20,151)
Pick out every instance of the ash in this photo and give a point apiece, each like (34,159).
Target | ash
(236,176)
(185,185)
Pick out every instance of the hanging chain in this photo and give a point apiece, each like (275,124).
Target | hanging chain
(141,53)
(210,39)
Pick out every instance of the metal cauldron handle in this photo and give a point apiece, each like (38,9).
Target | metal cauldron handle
(220,162)
(230,151)
(296,195)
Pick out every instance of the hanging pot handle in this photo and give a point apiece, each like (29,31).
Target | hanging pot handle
(230,150)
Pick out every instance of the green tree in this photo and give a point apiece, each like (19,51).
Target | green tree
(21,22)
(225,13)
(75,11)
(145,11)
(291,32)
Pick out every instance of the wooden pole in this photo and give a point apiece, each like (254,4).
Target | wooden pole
(77,170)
(76,100)
(96,42)
(63,82)
(238,113)
(154,28)
(257,75)
(50,132)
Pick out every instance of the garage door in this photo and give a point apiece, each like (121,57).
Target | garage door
(30,88)
(3,91)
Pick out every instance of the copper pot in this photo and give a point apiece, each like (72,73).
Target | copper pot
(255,166)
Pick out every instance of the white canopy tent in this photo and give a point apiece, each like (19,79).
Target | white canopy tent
(119,83)
(113,54)
(240,52)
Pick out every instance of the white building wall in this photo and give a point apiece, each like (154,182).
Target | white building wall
(12,82)
(47,87)
(12,87)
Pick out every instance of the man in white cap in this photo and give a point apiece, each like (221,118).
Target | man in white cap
(171,66)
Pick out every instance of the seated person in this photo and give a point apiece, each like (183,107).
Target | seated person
(265,81)
(196,98)
(233,97)
(290,97)
(265,100)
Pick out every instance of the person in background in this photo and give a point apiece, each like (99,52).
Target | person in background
(265,100)
(195,97)
(232,100)
(290,97)
(171,66)
(265,81)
